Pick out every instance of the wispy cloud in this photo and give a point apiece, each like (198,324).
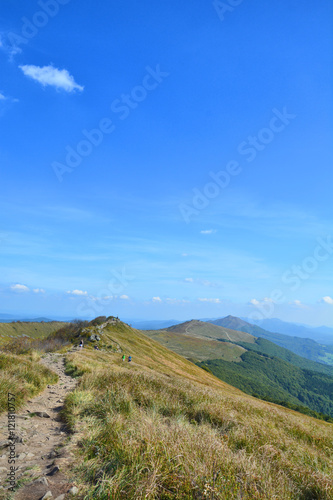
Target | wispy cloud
(49,75)
(156,299)
(124,297)
(208,231)
(214,301)
(201,282)
(177,301)
(2,97)
(297,303)
(77,292)
(106,298)
(11,48)
(255,302)
(38,290)
(19,288)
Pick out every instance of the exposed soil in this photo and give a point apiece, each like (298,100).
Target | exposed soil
(41,453)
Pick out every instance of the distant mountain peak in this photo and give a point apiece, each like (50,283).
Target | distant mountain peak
(232,322)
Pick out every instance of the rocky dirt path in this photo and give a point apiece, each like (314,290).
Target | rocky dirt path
(39,434)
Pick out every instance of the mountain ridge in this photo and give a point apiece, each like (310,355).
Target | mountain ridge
(306,348)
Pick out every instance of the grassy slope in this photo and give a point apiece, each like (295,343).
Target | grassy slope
(197,348)
(162,428)
(285,379)
(22,376)
(175,339)
(307,348)
(203,329)
(31,329)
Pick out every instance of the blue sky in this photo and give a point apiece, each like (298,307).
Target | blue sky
(166,159)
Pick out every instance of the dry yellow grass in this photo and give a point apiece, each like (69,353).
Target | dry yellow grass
(162,428)
(23,377)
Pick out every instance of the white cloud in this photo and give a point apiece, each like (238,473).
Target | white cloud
(19,288)
(157,299)
(177,301)
(327,300)
(96,299)
(189,280)
(297,303)
(184,254)
(77,292)
(38,290)
(256,302)
(215,301)
(124,297)
(48,75)
(2,97)
(208,231)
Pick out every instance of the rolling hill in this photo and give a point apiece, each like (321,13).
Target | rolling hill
(284,375)
(225,337)
(205,330)
(161,427)
(35,330)
(307,348)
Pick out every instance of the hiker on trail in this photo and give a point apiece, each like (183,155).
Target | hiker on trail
(123,357)
(81,344)
(129,359)
(96,347)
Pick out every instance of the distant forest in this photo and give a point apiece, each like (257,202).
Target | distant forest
(276,380)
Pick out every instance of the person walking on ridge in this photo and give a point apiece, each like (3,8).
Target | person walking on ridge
(129,359)
(123,357)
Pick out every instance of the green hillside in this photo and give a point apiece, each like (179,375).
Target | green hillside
(163,428)
(285,374)
(306,348)
(182,339)
(34,330)
(274,378)
(267,347)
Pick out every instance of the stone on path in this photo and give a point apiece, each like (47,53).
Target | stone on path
(73,491)
(41,414)
(42,480)
(47,495)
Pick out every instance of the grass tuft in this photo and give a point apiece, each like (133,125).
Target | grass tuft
(23,377)
(149,434)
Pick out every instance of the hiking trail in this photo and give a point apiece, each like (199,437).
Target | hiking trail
(39,433)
